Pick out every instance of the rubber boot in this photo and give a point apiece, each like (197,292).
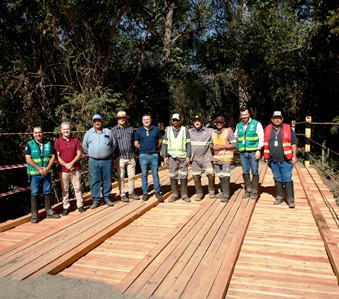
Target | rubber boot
(225,188)
(211,189)
(280,193)
(49,212)
(255,183)
(290,194)
(34,209)
(174,188)
(247,181)
(198,188)
(184,193)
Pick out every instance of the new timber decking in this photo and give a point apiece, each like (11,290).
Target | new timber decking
(245,249)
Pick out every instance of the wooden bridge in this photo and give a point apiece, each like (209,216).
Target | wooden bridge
(207,249)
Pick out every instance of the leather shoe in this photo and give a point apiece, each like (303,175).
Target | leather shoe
(133,196)
(124,198)
(65,212)
(81,210)
(145,197)
(94,205)
(158,196)
(108,202)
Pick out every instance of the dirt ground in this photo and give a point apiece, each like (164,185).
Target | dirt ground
(57,287)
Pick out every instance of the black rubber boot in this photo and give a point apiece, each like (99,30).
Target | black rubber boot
(34,209)
(174,188)
(290,194)
(255,183)
(280,193)
(211,188)
(198,187)
(49,212)
(225,188)
(184,193)
(247,181)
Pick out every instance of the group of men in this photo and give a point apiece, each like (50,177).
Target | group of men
(209,150)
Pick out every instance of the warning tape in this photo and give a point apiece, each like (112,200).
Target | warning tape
(6,167)
(30,133)
(22,189)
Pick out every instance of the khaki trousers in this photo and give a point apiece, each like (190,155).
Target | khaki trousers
(122,165)
(75,178)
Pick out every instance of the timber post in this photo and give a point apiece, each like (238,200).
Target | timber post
(308,140)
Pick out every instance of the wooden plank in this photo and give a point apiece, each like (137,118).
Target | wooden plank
(330,241)
(178,233)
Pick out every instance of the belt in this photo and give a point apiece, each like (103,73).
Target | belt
(150,153)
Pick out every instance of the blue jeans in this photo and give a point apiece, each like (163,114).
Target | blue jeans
(248,163)
(100,171)
(149,161)
(40,183)
(282,171)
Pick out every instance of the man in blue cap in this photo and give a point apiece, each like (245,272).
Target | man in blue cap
(100,145)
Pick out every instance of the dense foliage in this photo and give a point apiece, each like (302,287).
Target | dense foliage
(65,60)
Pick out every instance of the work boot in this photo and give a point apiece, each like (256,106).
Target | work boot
(255,183)
(133,196)
(174,188)
(198,188)
(108,202)
(211,189)
(184,195)
(49,212)
(95,204)
(247,181)
(290,194)
(34,209)
(225,188)
(280,193)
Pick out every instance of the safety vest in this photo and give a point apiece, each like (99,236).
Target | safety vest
(40,157)
(176,146)
(286,141)
(248,140)
(224,155)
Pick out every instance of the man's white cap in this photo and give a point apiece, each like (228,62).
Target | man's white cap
(277,113)
(176,116)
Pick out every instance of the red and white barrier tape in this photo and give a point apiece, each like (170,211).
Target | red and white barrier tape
(22,189)
(30,133)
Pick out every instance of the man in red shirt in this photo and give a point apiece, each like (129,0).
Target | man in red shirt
(68,150)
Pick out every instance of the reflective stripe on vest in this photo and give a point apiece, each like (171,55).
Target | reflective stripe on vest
(176,146)
(286,141)
(224,155)
(248,140)
(47,152)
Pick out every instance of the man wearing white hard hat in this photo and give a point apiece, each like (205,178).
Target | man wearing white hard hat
(176,151)
(280,151)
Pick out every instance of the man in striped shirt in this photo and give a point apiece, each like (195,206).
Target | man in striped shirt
(125,156)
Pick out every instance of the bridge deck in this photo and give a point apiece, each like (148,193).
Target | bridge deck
(206,249)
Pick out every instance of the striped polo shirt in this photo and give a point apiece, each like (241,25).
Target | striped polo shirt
(124,139)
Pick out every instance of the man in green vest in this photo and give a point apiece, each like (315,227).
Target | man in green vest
(176,150)
(250,139)
(40,157)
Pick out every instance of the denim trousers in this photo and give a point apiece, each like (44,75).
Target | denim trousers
(100,171)
(149,161)
(40,183)
(282,171)
(249,163)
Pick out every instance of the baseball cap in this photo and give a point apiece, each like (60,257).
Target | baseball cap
(220,119)
(195,117)
(277,113)
(96,116)
(176,116)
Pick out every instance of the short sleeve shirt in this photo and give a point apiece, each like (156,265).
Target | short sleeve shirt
(148,139)
(68,151)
